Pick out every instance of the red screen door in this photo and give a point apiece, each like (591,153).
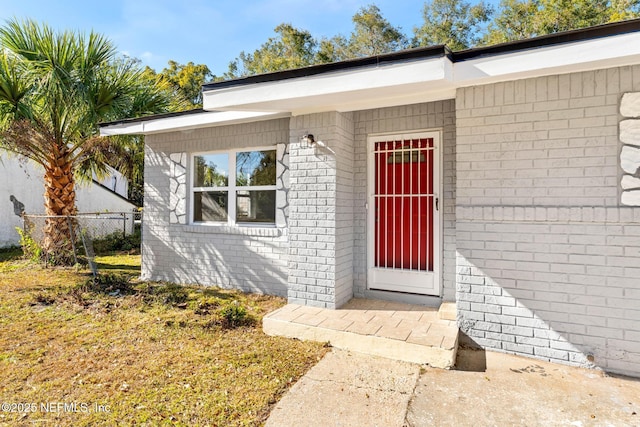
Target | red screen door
(404,219)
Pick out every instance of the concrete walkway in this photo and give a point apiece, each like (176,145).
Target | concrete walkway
(349,389)
(489,389)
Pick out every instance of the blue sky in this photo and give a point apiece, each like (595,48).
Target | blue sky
(210,32)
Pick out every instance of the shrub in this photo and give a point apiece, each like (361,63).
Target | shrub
(43,299)
(168,294)
(110,283)
(116,242)
(233,315)
(30,248)
(11,253)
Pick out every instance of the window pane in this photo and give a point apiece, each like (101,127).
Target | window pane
(256,168)
(210,206)
(256,206)
(211,170)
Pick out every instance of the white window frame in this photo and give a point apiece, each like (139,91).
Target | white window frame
(231,189)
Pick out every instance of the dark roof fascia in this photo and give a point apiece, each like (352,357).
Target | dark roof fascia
(589,33)
(120,196)
(154,117)
(404,55)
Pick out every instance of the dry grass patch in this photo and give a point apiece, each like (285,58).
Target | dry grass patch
(120,353)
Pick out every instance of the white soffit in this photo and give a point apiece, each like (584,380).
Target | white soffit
(186,122)
(604,52)
(346,90)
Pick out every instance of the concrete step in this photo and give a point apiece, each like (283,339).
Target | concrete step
(448,311)
(397,331)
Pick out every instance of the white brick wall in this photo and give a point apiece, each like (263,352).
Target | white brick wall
(249,259)
(548,262)
(344,207)
(321,210)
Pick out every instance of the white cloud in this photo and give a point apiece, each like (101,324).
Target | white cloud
(146,56)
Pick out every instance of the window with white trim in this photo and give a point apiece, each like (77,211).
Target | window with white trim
(234,187)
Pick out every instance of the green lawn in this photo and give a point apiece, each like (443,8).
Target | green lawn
(119,352)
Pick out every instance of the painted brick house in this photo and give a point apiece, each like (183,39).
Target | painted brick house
(506,179)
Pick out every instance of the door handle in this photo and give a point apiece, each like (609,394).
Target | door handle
(437,203)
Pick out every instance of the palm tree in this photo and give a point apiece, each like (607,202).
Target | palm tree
(54,89)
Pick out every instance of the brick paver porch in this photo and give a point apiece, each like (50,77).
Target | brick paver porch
(398,331)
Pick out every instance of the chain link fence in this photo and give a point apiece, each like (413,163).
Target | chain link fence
(79,238)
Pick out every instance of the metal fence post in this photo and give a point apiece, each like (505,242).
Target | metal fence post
(72,238)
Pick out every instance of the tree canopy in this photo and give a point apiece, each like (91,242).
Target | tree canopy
(372,35)
(290,48)
(454,23)
(186,80)
(459,24)
(295,48)
(520,19)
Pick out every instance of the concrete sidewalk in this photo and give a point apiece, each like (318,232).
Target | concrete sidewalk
(489,389)
(349,389)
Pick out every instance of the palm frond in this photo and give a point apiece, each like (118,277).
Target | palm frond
(56,86)
(13,82)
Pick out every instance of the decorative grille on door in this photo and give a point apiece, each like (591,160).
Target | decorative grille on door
(404,203)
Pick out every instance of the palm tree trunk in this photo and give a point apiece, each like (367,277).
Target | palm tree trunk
(59,202)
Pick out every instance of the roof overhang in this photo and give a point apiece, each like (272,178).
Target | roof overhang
(583,55)
(401,78)
(422,80)
(185,121)
(385,84)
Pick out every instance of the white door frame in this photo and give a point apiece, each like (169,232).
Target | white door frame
(382,279)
